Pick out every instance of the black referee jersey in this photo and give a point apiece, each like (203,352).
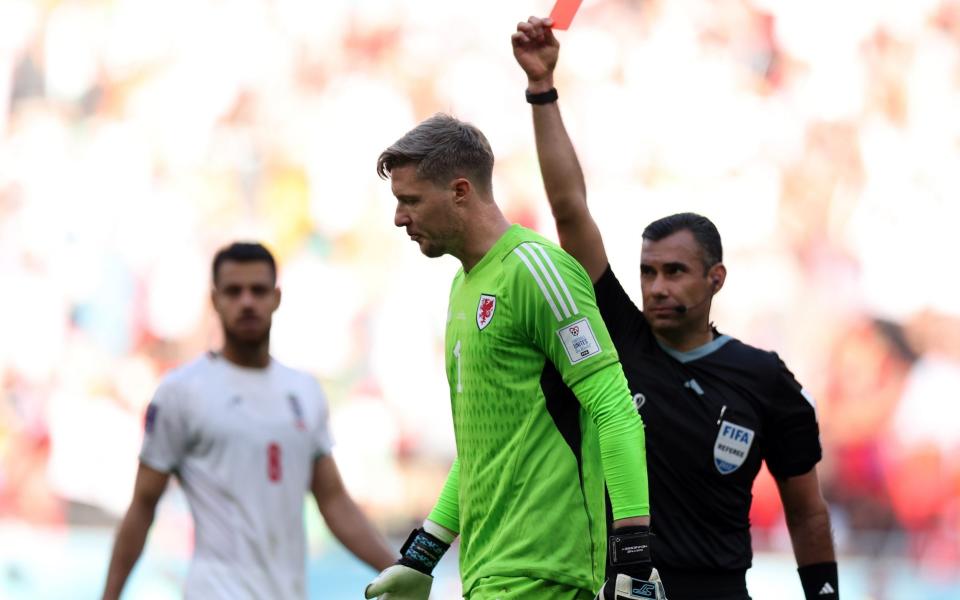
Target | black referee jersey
(711,415)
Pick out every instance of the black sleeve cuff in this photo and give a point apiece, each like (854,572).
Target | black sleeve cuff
(819,581)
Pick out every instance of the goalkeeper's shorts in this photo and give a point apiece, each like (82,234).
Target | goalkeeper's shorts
(522,588)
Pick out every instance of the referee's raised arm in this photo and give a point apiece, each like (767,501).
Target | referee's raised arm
(536,50)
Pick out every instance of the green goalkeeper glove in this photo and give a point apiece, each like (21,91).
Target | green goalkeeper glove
(398,582)
(628,588)
(410,578)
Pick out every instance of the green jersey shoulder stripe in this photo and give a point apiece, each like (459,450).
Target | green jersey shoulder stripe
(543,288)
(563,284)
(562,305)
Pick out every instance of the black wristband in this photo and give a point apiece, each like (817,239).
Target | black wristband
(422,551)
(543,97)
(820,581)
(629,546)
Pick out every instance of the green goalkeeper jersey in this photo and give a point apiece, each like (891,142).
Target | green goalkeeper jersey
(538,397)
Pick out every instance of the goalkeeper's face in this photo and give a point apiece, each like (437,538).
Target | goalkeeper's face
(427,211)
(245,297)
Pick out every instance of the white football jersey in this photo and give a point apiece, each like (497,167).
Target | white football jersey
(242,443)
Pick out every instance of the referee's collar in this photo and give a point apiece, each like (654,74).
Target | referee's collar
(697,353)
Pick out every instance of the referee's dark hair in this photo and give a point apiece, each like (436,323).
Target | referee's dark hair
(702,228)
(243,252)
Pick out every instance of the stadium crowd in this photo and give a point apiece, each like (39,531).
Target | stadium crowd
(137,137)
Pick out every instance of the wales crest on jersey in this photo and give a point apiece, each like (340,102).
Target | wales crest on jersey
(732,447)
(485,309)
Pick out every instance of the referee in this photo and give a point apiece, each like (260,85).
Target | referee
(715,407)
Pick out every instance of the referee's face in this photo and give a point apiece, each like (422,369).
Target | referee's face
(676,288)
(245,296)
(426,211)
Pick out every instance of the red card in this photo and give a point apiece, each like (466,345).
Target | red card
(563,13)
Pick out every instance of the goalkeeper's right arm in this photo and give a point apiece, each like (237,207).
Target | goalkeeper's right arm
(410,578)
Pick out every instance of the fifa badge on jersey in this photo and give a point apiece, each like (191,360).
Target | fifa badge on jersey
(485,309)
(732,447)
(578,340)
(150,418)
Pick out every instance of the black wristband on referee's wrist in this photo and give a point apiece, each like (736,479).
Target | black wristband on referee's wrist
(819,581)
(422,551)
(543,97)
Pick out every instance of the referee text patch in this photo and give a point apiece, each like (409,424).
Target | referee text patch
(732,447)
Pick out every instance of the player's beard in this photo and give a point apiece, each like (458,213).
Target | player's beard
(449,241)
(432,250)
(434,245)
(247,340)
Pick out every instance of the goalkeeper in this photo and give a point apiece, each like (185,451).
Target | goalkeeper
(541,409)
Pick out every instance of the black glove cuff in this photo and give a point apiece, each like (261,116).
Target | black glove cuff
(820,581)
(422,551)
(629,546)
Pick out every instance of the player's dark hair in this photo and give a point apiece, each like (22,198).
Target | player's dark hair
(243,252)
(443,148)
(702,228)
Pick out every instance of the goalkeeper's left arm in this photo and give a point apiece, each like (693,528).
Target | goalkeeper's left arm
(410,578)
(606,397)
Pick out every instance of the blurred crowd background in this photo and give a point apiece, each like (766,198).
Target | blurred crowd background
(137,137)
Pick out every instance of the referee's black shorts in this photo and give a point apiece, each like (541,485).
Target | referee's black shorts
(704,585)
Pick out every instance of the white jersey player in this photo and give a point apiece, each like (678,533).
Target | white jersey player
(242,442)
(246,437)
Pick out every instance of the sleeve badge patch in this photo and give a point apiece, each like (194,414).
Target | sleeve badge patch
(150,419)
(578,340)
